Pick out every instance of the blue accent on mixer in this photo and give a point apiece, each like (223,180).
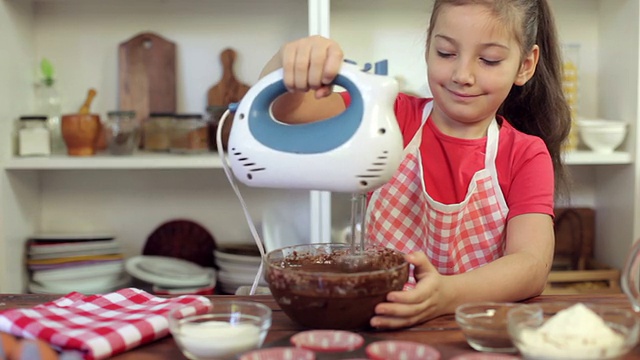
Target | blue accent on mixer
(311,138)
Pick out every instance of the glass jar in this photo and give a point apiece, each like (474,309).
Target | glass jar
(570,86)
(189,134)
(156,130)
(48,103)
(122,132)
(33,136)
(214,113)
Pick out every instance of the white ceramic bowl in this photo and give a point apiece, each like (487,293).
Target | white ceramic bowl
(229,328)
(602,136)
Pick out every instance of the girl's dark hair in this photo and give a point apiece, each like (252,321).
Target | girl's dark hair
(539,107)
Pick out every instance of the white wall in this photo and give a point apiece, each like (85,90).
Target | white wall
(201,29)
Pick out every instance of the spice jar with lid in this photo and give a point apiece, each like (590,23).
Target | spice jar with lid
(156,130)
(33,136)
(189,134)
(122,132)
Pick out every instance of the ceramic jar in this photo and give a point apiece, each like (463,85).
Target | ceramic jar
(80,133)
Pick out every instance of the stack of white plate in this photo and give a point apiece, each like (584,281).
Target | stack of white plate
(172,276)
(236,270)
(86,263)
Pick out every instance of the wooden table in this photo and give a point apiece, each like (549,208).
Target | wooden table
(442,333)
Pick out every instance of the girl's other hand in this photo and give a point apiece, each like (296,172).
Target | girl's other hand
(311,63)
(411,307)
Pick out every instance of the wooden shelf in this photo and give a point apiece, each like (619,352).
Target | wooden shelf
(593,158)
(143,160)
(137,161)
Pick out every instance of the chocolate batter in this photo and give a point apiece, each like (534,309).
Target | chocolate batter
(315,289)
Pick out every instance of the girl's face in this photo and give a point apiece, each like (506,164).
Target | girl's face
(472,62)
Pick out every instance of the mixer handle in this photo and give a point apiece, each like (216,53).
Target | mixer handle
(303,138)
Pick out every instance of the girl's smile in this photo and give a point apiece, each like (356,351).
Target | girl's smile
(462,96)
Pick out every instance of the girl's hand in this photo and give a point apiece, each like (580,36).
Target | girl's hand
(311,63)
(309,67)
(410,307)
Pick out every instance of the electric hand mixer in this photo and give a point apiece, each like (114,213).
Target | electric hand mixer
(356,151)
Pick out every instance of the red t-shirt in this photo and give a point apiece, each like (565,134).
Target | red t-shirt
(524,166)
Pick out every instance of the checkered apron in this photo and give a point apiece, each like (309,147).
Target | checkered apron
(456,237)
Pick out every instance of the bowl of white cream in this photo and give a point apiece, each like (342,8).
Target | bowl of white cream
(568,331)
(229,328)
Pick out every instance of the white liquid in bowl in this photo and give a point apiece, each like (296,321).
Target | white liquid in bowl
(216,339)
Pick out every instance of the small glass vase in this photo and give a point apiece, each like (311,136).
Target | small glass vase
(48,103)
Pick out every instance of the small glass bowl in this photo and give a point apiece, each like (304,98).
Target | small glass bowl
(572,336)
(484,325)
(230,327)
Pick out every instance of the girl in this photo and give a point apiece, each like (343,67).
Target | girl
(475,191)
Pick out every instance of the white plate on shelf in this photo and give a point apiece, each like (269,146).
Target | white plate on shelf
(73,254)
(85,287)
(237,259)
(238,279)
(73,247)
(238,268)
(168,272)
(71,236)
(92,271)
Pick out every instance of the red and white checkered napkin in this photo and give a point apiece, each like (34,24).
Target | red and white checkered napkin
(99,325)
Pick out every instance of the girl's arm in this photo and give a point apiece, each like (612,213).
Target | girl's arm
(520,274)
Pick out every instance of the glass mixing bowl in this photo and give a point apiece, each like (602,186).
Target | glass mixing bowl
(315,289)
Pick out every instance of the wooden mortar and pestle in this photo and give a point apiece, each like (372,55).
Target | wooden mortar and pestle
(81,131)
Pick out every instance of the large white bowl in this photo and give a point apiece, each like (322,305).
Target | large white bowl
(602,136)
(601,123)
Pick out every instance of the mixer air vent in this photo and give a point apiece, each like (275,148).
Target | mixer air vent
(246,162)
(376,167)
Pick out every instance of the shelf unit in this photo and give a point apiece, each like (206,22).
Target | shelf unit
(143,160)
(103,161)
(131,196)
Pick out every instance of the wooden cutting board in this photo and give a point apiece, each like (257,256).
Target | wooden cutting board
(147,75)
(228,90)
